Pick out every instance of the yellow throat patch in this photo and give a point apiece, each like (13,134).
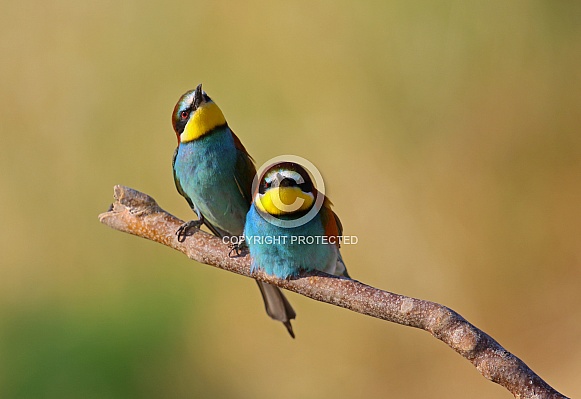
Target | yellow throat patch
(284,201)
(207,117)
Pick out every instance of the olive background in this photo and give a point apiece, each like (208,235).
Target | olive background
(448,134)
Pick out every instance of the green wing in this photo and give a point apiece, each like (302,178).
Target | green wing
(245,170)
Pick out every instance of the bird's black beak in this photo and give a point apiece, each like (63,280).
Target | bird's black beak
(198,96)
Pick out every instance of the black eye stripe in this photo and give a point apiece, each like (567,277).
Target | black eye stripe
(286,182)
(264,185)
(306,187)
(180,123)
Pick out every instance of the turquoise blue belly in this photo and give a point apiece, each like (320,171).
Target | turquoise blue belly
(284,252)
(205,169)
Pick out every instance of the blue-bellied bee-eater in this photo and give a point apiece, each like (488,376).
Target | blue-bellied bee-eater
(291,226)
(214,173)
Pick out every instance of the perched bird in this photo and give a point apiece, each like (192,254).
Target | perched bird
(287,230)
(214,173)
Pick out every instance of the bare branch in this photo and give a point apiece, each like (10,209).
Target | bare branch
(137,213)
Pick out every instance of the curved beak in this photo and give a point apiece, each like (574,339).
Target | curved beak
(198,96)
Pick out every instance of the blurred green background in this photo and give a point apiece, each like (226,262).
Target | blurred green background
(449,137)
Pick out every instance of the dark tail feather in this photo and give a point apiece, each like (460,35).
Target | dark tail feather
(277,306)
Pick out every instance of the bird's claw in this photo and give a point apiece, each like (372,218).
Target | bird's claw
(186,229)
(237,249)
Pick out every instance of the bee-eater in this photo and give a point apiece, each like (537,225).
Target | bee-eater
(214,172)
(281,237)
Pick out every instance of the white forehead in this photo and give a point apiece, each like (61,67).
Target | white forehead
(188,99)
(289,174)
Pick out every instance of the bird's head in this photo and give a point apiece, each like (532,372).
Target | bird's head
(285,189)
(195,115)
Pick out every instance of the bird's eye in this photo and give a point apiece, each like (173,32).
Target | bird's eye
(264,185)
(184,114)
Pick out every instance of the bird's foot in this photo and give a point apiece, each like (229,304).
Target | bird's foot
(237,249)
(186,229)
